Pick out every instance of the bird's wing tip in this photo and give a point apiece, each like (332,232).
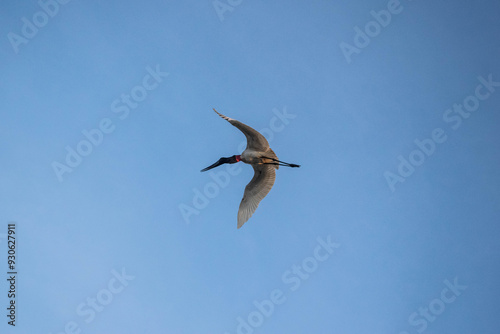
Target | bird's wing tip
(240,224)
(223,116)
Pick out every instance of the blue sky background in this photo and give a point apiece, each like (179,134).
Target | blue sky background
(121,208)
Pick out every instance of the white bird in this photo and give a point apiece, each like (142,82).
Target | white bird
(264,162)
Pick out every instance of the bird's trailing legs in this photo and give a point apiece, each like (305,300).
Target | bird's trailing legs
(280,163)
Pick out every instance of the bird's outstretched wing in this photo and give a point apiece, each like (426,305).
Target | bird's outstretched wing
(255,140)
(255,191)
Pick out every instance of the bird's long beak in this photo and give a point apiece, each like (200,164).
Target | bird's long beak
(230,160)
(218,163)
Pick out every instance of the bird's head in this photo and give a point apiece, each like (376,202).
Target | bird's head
(230,160)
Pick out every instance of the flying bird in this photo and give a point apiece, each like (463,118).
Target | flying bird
(264,162)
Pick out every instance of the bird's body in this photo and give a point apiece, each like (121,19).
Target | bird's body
(264,162)
(251,156)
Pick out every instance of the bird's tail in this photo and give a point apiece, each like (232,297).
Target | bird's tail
(270,154)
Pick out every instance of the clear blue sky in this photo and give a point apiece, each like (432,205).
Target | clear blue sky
(391,225)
